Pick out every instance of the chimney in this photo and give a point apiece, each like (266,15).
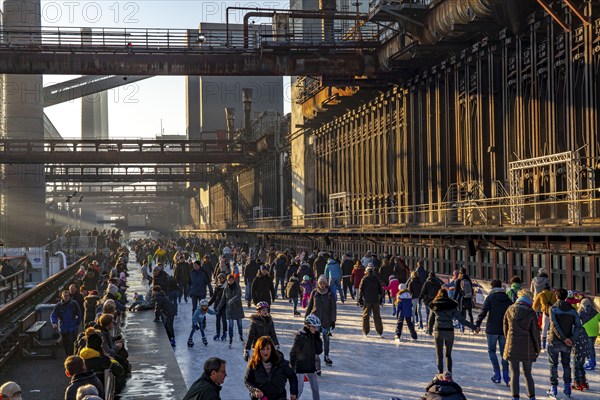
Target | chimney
(230,116)
(247,100)
(328,8)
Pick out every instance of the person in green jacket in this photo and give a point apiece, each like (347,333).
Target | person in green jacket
(590,319)
(515,286)
(208,386)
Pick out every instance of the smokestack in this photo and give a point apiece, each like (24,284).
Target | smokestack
(247,100)
(230,116)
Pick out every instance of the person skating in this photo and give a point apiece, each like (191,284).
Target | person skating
(522,342)
(251,270)
(358,272)
(347,266)
(199,322)
(515,287)
(392,289)
(262,287)
(565,327)
(428,292)
(234,310)
(304,353)
(542,303)
(404,312)
(221,319)
(415,285)
(465,294)
(292,291)
(333,273)
(261,324)
(590,319)
(370,297)
(307,287)
(322,304)
(268,372)
(199,282)
(494,308)
(539,282)
(164,310)
(443,311)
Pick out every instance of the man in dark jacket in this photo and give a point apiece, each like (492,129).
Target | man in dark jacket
(347,266)
(182,276)
(250,272)
(319,265)
(496,305)
(565,327)
(280,268)
(164,310)
(208,386)
(67,313)
(76,370)
(370,297)
(160,277)
(262,287)
(199,281)
(423,274)
(428,292)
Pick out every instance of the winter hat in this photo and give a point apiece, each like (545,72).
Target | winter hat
(322,279)
(11,390)
(403,286)
(112,289)
(432,274)
(541,271)
(93,293)
(306,278)
(570,294)
(264,268)
(455,274)
(391,277)
(94,340)
(369,268)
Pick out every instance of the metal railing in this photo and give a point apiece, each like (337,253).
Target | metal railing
(14,311)
(550,209)
(164,40)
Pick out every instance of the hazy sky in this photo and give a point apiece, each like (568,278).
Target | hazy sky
(136,110)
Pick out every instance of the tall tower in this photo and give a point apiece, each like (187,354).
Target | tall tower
(23,187)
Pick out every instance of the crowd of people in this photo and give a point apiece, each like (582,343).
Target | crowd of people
(521,323)
(317,281)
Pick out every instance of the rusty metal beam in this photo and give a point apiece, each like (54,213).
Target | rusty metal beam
(555,17)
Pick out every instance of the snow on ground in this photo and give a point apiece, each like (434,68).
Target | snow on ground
(362,368)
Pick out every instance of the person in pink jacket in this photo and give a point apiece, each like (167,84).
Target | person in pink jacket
(393,288)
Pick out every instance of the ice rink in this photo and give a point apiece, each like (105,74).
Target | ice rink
(362,368)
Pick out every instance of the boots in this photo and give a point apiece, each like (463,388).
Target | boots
(552,392)
(590,365)
(496,378)
(505,377)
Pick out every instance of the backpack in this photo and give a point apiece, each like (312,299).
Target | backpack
(466,288)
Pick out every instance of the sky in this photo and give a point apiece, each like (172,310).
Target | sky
(139,109)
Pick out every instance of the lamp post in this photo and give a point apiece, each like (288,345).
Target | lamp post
(68,201)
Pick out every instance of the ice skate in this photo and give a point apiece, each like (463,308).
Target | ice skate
(216,337)
(204,340)
(190,343)
(328,361)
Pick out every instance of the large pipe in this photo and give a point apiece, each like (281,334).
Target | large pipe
(293,14)
(230,117)
(247,101)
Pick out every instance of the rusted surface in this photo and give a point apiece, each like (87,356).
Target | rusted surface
(332,63)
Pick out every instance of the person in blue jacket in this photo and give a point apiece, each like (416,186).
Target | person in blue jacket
(333,273)
(67,316)
(199,281)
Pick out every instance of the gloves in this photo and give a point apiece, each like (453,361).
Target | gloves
(333,325)
(246,355)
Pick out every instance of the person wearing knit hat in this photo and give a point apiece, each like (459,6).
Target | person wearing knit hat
(442,386)
(522,342)
(10,391)
(322,304)
(538,283)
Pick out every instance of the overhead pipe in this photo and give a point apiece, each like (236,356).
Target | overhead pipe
(440,21)
(269,12)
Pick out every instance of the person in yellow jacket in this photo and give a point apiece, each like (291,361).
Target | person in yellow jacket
(542,304)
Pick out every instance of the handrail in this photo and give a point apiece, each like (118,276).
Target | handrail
(26,301)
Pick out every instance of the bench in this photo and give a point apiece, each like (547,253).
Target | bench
(29,328)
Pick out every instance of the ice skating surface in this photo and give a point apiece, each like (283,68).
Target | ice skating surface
(363,368)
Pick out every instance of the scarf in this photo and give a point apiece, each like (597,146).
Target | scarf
(322,291)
